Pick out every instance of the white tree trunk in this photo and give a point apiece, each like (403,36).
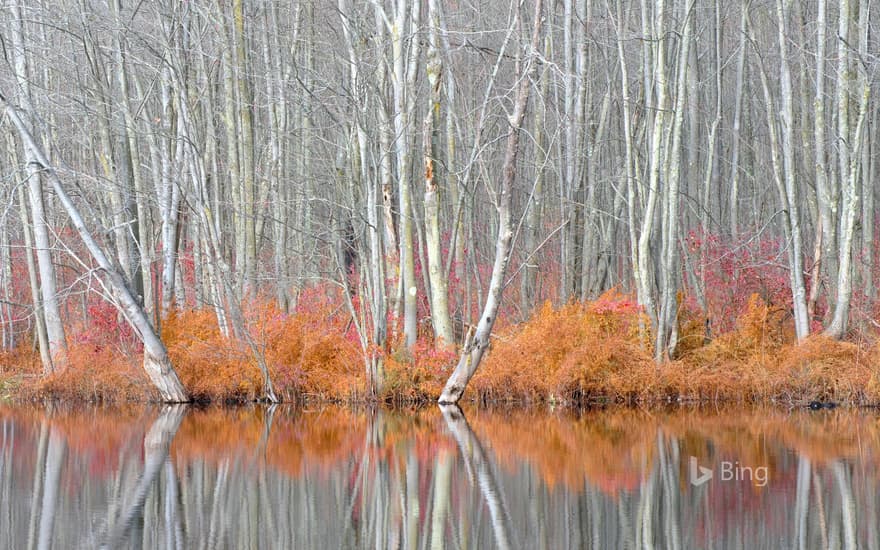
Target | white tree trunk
(51,312)
(796,268)
(156,362)
(474,348)
(851,143)
(436,272)
(404,94)
(644,272)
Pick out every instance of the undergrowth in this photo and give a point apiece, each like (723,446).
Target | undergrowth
(575,353)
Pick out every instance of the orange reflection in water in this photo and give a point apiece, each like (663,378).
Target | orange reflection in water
(613,450)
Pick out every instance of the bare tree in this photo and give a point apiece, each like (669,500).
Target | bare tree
(476,346)
(48,306)
(156,362)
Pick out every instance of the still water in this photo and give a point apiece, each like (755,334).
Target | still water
(329,477)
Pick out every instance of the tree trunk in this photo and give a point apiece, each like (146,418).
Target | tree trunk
(737,125)
(169,195)
(644,269)
(437,273)
(474,348)
(156,362)
(36,298)
(850,151)
(246,141)
(529,278)
(796,254)
(57,340)
(404,92)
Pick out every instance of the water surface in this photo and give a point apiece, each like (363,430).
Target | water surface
(329,477)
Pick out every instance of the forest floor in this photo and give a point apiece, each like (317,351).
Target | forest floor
(582,353)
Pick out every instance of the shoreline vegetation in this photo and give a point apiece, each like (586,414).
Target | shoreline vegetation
(578,354)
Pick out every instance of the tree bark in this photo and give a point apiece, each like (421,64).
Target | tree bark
(57,340)
(404,93)
(798,289)
(737,124)
(156,362)
(437,273)
(850,151)
(474,349)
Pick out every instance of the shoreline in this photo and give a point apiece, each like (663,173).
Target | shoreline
(30,396)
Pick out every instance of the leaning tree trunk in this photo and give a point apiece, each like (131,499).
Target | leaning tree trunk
(156,362)
(475,347)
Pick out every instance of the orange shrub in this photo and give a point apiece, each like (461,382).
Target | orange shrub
(97,373)
(576,351)
(760,359)
(209,365)
(304,355)
(826,369)
(309,354)
(419,374)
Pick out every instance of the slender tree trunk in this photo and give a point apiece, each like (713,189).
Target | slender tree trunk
(437,273)
(631,172)
(534,208)
(570,150)
(798,289)
(246,141)
(737,123)
(851,143)
(233,164)
(825,198)
(169,208)
(474,348)
(156,362)
(667,326)
(645,273)
(404,93)
(127,183)
(139,242)
(36,297)
(870,166)
(57,340)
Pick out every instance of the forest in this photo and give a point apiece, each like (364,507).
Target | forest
(542,201)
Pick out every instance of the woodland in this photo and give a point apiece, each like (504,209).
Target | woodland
(540,201)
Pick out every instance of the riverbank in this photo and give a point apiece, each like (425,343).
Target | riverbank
(581,353)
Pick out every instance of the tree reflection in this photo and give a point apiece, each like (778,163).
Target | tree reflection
(478,464)
(282,477)
(156,444)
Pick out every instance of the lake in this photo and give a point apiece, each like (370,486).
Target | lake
(335,477)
